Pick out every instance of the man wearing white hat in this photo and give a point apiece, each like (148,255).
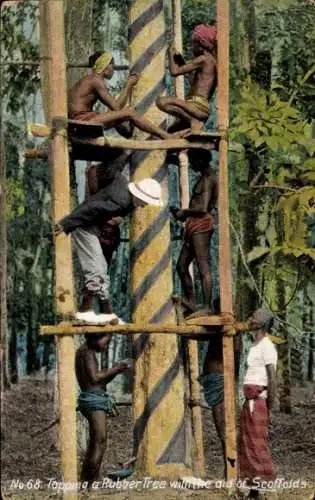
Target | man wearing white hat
(117,199)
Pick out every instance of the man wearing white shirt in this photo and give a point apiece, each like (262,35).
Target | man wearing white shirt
(260,392)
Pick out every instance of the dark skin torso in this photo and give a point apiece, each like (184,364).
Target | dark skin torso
(204,194)
(85,365)
(84,94)
(204,79)
(214,358)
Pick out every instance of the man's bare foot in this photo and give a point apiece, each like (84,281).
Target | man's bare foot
(196,126)
(188,304)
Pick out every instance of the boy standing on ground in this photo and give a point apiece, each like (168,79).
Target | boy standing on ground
(94,402)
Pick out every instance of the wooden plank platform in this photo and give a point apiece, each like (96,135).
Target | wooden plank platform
(145,145)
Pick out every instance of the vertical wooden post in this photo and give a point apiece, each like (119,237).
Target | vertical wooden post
(52,26)
(224,233)
(193,358)
(158,406)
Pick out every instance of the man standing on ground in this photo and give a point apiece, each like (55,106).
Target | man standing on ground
(260,393)
(94,402)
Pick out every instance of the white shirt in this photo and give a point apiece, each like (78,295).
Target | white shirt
(259,355)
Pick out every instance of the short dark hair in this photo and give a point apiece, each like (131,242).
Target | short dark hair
(93,58)
(200,155)
(94,337)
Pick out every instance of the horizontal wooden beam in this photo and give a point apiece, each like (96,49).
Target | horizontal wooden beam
(36,153)
(203,140)
(118,67)
(69,328)
(165,144)
(207,320)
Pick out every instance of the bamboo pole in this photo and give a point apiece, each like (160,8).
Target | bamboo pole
(193,358)
(69,65)
(52,26)
(224,235)
(69,328)
(202,324)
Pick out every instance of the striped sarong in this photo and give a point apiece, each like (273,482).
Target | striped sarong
(254,455)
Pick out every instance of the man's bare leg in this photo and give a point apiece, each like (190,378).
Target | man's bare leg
(112,119)
(185,258)
(185,111)
(96,448)
(201,244)
(218,418)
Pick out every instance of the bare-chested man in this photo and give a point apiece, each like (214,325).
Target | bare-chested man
(198,229)
(193,112)
(92,88)
(94,402)
(212,378)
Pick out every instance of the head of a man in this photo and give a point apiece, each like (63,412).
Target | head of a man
(199,159)
(204,39)
(260,323)
(102,63)
(98,341)
(146,192)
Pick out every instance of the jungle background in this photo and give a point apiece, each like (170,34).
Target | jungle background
(272,206)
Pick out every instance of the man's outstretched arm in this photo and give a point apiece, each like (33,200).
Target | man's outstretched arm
(105,375)
(188,67)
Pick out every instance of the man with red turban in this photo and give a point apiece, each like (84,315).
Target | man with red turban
(193,112)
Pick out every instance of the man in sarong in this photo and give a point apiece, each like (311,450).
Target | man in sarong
(199,222)
(212,378)
(92,88)
(193,111)
(255,459)
(94,402)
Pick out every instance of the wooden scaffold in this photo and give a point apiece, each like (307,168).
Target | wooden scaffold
(161,440)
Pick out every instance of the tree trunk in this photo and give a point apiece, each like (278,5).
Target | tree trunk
(78,23)
(5,379)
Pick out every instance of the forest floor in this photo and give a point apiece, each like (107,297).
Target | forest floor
(28,408)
